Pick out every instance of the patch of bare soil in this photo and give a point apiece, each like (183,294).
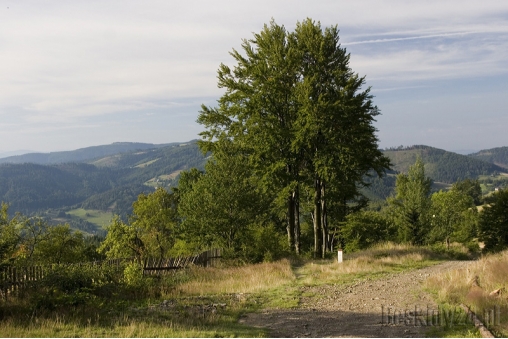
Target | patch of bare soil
(393,306)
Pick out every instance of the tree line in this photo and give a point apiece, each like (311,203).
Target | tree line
(292,147)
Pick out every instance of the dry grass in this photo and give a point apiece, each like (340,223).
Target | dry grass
(55,328)
(268,284)
(472,286)
(242,279)
(191,290)
(376,261)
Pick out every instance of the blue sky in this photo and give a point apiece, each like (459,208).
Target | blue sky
(80,73)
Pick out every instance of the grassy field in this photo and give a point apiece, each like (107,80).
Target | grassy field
(97,217)
(473,286)
(208,302)
(489,183)
(162,180)
(146,163)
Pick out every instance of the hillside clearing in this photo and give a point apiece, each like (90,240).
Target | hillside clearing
(99,218)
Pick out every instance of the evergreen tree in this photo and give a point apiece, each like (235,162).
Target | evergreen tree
(411,204)
(493,226)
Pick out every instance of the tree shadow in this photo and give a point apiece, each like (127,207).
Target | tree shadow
(382,323)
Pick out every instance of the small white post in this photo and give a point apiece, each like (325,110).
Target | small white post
(339,256)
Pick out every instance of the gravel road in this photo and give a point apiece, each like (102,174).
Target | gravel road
(386,307)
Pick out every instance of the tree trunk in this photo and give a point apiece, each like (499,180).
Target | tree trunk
(291,221)
(297,219)
(317,217)
(324,222)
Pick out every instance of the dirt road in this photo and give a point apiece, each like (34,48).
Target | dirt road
(394,306)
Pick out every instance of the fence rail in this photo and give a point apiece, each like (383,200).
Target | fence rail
(12,278)
(155,266)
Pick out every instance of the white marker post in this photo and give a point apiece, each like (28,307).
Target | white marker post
(339,256)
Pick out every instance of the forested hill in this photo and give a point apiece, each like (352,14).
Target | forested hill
(113,182)
(80,155)
(498,156)
(31,187)
(441,165)
(28,187)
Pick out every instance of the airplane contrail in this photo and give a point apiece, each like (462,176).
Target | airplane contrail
(375,41)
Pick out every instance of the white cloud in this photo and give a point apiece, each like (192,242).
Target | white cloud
(62,62)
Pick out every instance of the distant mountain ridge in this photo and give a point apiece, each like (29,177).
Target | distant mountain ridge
(30,187)
(14,153)
(80,155)
(110,177)
(441,165)
(498,156)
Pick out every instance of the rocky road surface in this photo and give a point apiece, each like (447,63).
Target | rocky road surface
(393,306)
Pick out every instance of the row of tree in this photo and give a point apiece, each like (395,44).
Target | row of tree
(293,144)
(213,208)
(298,117)
(31,241)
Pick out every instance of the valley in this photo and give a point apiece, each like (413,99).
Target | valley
(107,179)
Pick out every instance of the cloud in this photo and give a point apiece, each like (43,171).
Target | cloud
(63,63)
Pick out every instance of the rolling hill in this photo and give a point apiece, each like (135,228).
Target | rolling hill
(111,182)
(80,155)
(30,187)
(440,165)
(498,156)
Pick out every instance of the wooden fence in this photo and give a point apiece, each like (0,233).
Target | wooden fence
(12,278)
(155,266)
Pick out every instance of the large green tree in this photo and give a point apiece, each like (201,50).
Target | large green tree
(150,232)
(223,204)
(295,107)
(453,216)
(411,205)
(258,111)
(335,129)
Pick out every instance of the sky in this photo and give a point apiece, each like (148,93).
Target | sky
(81,73)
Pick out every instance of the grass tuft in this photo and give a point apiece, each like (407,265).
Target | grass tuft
(241,279)
(473,284)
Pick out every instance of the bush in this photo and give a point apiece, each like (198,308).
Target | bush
(364,229)
(133,274)
(72,285)
(267,244)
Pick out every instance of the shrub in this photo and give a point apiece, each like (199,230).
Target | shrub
(364,229)
(71,285)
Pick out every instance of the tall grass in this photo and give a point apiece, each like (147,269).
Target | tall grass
(473,284)
(241,279)
(128,327)
(275,284)
(374,262)
(190,295)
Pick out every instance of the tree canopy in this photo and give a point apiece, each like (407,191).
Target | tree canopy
(411,204)
(493,228)
(296,108)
